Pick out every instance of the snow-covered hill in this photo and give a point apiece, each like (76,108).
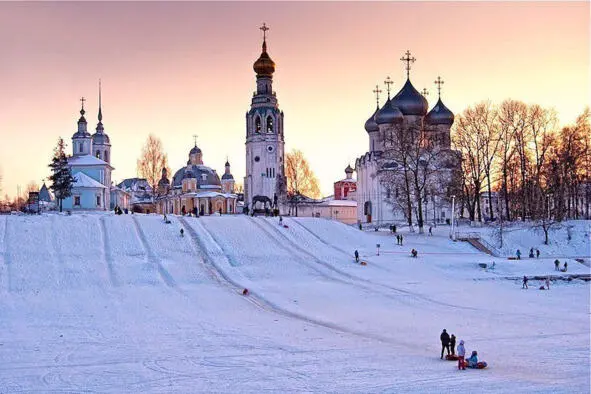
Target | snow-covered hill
(97,302)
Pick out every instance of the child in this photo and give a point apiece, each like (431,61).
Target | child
(473,360)
(461,354)
(524,285)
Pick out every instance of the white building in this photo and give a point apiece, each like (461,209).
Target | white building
(264,184)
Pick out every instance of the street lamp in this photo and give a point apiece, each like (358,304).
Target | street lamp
(453,205)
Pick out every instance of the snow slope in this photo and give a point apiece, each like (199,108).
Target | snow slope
(97,302)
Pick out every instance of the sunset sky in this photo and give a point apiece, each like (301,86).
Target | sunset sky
(178,69)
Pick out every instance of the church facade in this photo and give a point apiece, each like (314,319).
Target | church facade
(90,166)
(408,172)
(196,189)
(265,184)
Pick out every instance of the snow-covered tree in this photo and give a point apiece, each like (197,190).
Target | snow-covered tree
(61,178)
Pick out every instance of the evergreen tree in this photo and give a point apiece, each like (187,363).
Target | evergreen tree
(61,179)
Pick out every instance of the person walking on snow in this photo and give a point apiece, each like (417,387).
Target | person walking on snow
(452,344)
(565,266)
(430,230)
(531,253)
(356,256)
(524,285)
(556,265)
(518,253)
(537,253)
(444,342)
(398,240)
(280,220)
(401,239)
(461,355)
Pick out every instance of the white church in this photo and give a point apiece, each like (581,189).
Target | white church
(406,115)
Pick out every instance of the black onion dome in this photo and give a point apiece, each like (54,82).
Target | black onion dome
(388,114)
(410,101)
(370,124)
(227,176)
(440,114)
(195,150)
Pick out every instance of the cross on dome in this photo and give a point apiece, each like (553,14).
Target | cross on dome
(264,29)
(408,60)
(195,139)
(439,82)
(425,92)
(388,82)
(377,91)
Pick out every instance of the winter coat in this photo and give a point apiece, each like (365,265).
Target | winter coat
(444,338)
(472,360)
(452,341)
(461,350)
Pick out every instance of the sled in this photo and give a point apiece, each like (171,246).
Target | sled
(452,357)
(285,226)
(363,263)
(245,292)
(479,365)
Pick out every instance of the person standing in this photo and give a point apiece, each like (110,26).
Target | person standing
(524,285)
(518,253)
(537,253)
(556,265)
(565,266)
(356,256)
(430,230)
(452,344)
(401,239)
(461,355)
(444,337)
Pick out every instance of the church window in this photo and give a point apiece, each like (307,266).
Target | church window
(98,154)
(257,159)
(269,124)
(76,201)
(273,176)
(98,201)
(257,124)
(80,147)
(388,194)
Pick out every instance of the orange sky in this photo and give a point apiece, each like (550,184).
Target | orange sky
(178,69)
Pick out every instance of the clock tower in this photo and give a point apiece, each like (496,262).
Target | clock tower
(265,183)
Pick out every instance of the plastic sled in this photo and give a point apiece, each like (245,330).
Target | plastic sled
(363,263)
(479,365)
(452,357)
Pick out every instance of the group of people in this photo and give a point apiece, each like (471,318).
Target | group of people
(399,239)
(546,283)
(557,266)
(532,253)
(449,343)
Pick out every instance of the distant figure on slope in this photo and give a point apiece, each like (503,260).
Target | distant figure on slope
(444,337)
(548,283)
(430,230)
(537,253)
(401,239)
(356,256)
(461,355)
(280,220)
(524,285)
(518,253)
(565,266)
(452,344)
(414,253)
(394,229)
(398,240)
(556,265)
(531,253)
(182,232)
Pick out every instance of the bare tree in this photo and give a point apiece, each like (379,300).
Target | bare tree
(152,161)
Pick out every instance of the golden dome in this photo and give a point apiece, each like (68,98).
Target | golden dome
(264,66)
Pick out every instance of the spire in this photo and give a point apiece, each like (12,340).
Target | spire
(264,66)
(100,113)
(82,111)
(264,29)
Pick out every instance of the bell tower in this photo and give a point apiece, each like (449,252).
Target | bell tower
(265,176)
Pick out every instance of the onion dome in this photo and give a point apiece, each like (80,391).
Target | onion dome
(410,101)
(195,150)
(264,66)
(388,114)
(227,176)
(440,114)
(370,124)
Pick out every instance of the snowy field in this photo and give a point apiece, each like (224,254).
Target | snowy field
(112,304)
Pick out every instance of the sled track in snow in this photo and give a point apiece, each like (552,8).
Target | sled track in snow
(152,258)
(256,299)
(107,255)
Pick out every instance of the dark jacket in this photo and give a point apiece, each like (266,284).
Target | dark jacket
(444,338)
(452,341)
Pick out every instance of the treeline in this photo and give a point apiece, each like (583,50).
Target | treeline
(518,150)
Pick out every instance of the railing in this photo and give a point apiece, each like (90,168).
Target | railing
(466,236)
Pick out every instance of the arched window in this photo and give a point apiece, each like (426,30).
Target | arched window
(269,124)
(257,125)
(80,147)
(98,154)
(107,156)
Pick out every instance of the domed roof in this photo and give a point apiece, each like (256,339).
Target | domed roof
(370,124)
(264,66)
(100,139)
(163,182)
(194,150)
(388,114)
(410,101)
(211,180)
(227,176)
(440,114)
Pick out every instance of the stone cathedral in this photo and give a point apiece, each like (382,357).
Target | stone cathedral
(265,183)
(406,115)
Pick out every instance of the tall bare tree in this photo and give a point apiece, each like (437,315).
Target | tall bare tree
(152,161)
(300,177)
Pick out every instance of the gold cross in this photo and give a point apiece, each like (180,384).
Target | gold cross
(408,60)
(377,91)
(439,82)
(388,82)
(264,29)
